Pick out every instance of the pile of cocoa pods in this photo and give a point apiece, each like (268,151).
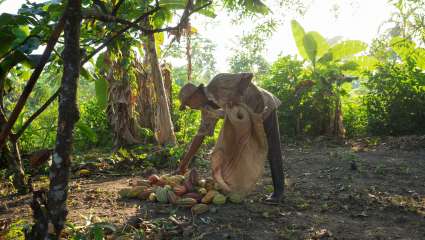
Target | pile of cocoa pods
(188,191)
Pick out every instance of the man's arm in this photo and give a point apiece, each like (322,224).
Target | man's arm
(208,121)
(188,156)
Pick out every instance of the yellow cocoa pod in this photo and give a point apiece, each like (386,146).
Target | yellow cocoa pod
(201,183)
(84,172)
(199,209)
(152,197)
(219,199)
(202,191)
(209,196)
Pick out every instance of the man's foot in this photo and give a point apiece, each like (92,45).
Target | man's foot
(274,198)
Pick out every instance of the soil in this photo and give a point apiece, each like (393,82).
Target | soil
(332,192)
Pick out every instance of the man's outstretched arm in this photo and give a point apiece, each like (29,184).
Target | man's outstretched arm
(188,156)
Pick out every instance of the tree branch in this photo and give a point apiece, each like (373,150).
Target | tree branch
(123,30)
(101,5)
(116,8)
(35,115)
(189,10)
(33,79)
(107,18)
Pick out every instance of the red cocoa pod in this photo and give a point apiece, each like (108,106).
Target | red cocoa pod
(153,179)
(161,183)
(193,195)
(180,190)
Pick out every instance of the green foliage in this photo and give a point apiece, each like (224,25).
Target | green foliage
(203,61)
(285,75)
(17,230)
(396,99)
(249,56)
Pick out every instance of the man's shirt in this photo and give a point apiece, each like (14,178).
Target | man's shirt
(222,89)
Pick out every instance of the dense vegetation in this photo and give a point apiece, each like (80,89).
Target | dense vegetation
(127,90)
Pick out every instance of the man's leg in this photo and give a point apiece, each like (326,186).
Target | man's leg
(271,127)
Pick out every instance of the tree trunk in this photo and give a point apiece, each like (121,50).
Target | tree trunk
(164,130)
(120,109)
(19,181)
(339,129)
(14,162)
(146,94)
(168,84)
(68,116)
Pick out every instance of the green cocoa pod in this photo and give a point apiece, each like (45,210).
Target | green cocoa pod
(172,197)
(186,202)
(235,197)
(124,193)
(161,195)
(219,199)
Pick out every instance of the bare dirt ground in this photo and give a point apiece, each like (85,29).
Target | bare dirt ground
(332,192)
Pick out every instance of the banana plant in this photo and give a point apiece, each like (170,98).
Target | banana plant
(313,47)
(329,64)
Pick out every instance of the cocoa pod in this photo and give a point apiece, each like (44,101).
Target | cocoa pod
(186,202)
(199,209)
(124,193)
(153,179)
(161,183)
(145,194)
(193,195)
(235,197)
(209,196)
(135,191)
(180,190)
(202,191)
(161,195)
(209,184)
(219,199)
(172,197)
(201,183)
(152,197)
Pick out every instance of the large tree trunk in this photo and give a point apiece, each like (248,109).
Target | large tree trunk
(120,109)
(164,130)
(146,94)
(68,116)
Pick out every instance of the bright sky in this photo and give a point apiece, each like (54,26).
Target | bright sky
(353,19)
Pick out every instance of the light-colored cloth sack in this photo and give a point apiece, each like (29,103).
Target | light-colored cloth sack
(241,150)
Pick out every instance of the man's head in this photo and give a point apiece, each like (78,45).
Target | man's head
(192,96)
